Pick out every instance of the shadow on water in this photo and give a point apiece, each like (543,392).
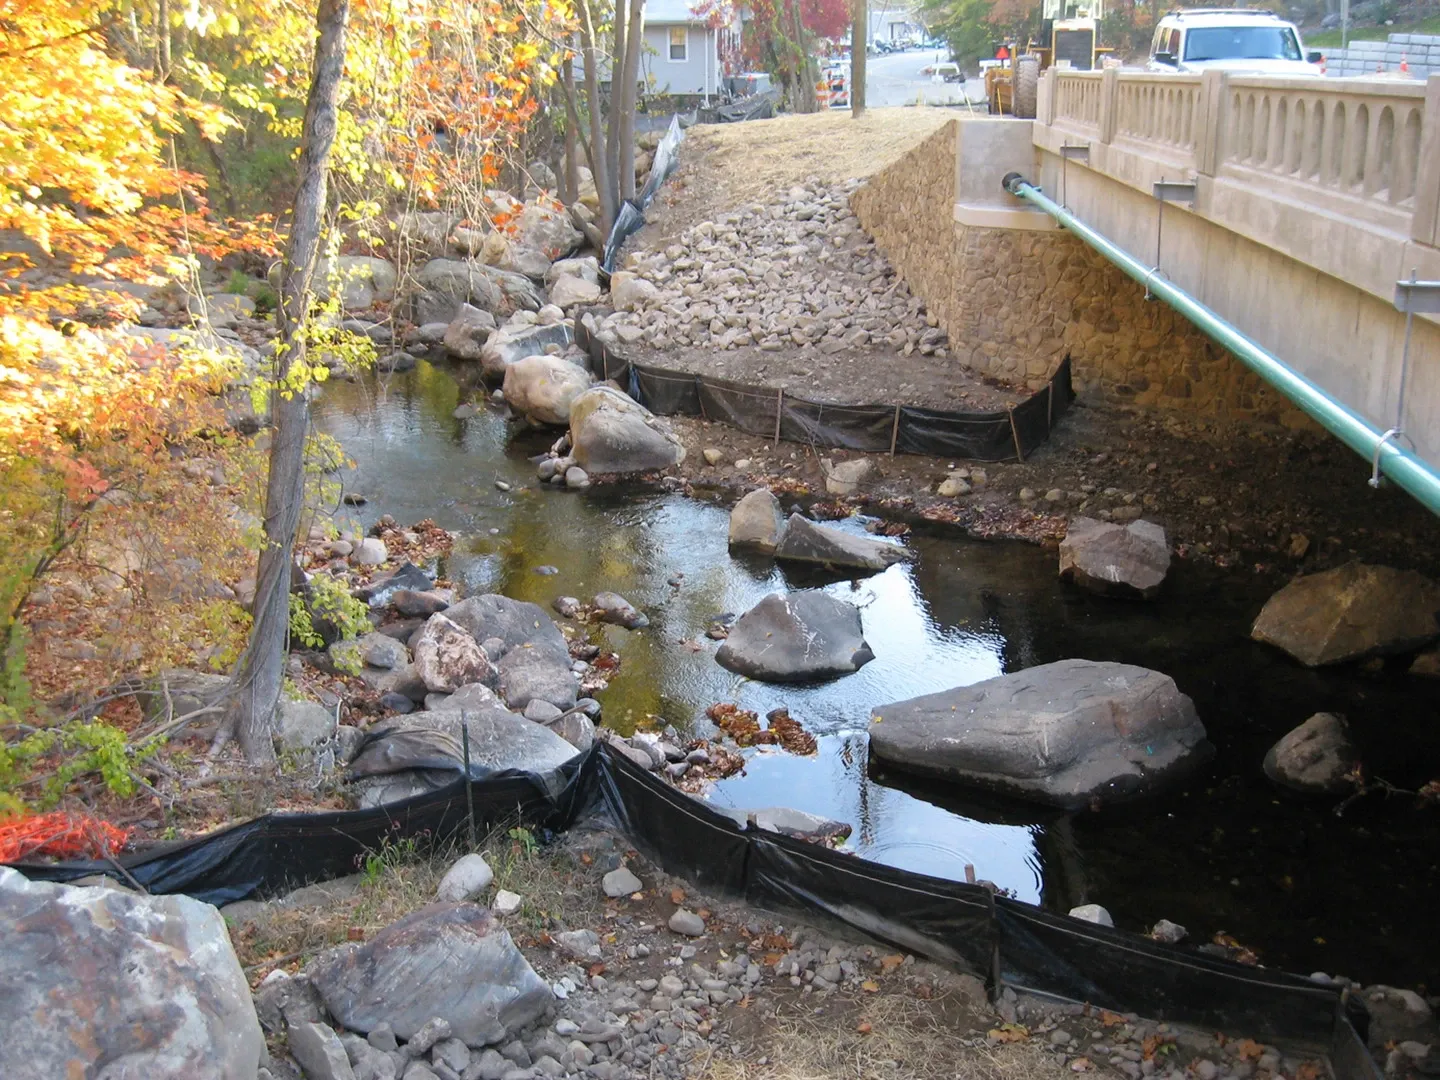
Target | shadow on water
(1226,851)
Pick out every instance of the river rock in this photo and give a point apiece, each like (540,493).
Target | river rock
(799,637)
(490,617)
(467,333)
(447,656)
(1427,665)
(569,292)
(614,608)
(499,740)
(1316,757)
(1093,913)
(620,882)
(358,280)
(756,522)
(575,728)
(104,982)
(1115,559)
(319,1052)
(612,433)
(383,587)
(466,879)
(806,541)
(460,281)
(301,724)
(418,603)
(515,341)
(1351,612)
(631,292)
(530,673)
(519,259)
(849,476)
(787,821)
(542,387)
(450,961)
(370,551)
(1059,734)
(548,231)
(587,269)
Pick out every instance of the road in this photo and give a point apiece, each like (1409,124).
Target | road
(895,79)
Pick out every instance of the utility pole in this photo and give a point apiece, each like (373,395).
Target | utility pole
(859,32)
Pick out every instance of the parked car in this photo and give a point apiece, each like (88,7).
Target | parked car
(1230,39)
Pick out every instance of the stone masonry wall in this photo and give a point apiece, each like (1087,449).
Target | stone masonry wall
(1015,302)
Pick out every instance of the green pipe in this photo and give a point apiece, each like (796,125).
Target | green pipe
(1395,463)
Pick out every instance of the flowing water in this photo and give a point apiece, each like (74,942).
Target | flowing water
(1306,888)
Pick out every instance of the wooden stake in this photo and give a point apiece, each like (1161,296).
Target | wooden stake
(1015,433)
(779,412)
(895,431)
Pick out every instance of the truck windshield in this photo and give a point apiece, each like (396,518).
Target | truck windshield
(1241,43)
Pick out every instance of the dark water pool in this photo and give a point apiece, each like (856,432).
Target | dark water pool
(1307,889)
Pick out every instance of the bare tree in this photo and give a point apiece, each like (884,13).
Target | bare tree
(570,182)
(617,106)
(859,34)
(262,669)
(625,118)
(597,145)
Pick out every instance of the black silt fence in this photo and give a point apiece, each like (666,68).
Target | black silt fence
(1007,435)
(1002,942)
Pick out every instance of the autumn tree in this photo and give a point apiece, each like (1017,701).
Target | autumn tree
(781,37)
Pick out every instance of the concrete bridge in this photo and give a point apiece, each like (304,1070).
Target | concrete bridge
(1295,206)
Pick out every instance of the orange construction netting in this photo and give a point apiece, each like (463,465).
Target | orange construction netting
(59,835)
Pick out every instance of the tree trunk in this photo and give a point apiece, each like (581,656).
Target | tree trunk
(570,182)
(597,128)
(617,105)
(162,40)
(626,118)
(262,669)
(806,76)
(859,38)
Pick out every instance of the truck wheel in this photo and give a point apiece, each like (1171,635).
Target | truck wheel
(1027,86)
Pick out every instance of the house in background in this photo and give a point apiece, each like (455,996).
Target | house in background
(686,55)
(894,20)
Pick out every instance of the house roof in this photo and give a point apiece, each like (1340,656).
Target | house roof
(658,12)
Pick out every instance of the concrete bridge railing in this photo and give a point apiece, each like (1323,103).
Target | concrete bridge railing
(1340,174)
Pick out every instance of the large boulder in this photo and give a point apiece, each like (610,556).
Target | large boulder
(587,269)
(799,637)
(358,280)
(568,292)
(519,259)
(1317,757)
(462,281)
(100,982)
(805,541)
(612,433)
(548,231)
(542,387)
(467,333)
(756,521)
(1351,612)
(514,623)
(1060,734)
(1115,559)
(447,657)
(531,674)
(515,342)
(427,229)
(448,960)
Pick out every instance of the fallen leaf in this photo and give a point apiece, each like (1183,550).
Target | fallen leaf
(1110,1019)
(770,959)
(863,1027)
(637,896)
(925,991)
(745,1002)
(586,858)
(677,896)
(891,962)
(1081,1064)
(595,969)
(1308,1070)
(1008,1033)
(1249,1050)
(870,986)
(355,933)
(704,913)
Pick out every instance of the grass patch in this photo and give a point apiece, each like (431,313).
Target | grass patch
(1330,39)
(403,876)
(884,1037)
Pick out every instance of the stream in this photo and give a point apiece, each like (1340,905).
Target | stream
(1305,888)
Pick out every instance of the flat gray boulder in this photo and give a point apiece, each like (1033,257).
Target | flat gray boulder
(1351,612)
(101,982)
(797,637)
(447,960)
(491,617)
(1061,734)
(1116,560)
(807,542)
(1316,758)
(499,740)
(756,522)
(536,673)
(612,433)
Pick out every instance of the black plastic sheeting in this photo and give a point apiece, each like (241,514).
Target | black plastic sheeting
(281,851)
(631,218)
(1002,942)
(906,429)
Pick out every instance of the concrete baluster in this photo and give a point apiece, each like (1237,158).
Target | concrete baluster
(1425,225)
(1109,84)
